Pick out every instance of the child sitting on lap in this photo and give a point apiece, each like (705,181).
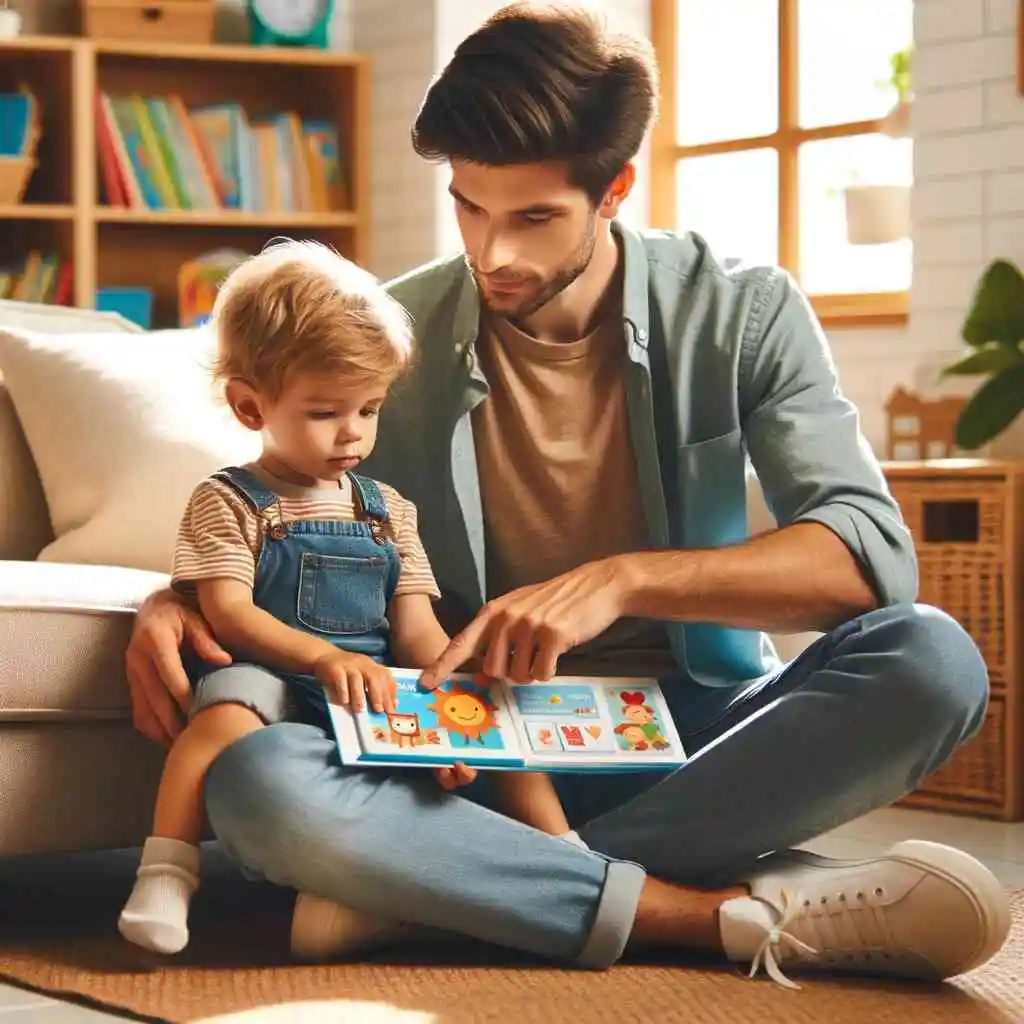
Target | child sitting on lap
(312,576)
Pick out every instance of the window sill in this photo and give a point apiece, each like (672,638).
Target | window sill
(871,309)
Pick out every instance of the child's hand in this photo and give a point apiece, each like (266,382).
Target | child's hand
(454,776)
(349,676)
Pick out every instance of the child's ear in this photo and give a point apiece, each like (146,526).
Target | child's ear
(245,403)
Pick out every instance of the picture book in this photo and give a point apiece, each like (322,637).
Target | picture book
(566,724)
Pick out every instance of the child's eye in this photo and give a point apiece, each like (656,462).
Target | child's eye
(370,411)
(321,414)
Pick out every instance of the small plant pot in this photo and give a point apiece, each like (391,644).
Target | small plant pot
(876,214)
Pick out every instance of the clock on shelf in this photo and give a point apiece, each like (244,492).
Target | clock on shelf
(290,22)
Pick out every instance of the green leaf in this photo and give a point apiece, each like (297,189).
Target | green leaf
(991,359)
(992,408)
(997,308)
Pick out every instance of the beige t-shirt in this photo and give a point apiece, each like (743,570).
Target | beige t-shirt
(219,535)
(558,475)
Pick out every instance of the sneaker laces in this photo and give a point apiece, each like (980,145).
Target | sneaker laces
(841,932)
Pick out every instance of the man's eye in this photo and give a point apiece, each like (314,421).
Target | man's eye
(537,218)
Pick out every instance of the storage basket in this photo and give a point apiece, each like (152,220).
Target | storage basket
(963,519)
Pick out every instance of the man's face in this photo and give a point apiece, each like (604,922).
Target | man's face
(527,231)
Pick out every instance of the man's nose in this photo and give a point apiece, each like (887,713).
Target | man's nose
(495,252)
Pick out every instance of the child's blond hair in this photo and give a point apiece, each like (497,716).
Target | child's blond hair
(299,307)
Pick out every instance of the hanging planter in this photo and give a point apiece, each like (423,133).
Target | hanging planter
(877,214)
(880,213)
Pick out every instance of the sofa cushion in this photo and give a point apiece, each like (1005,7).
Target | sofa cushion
(122,427)
(63,632)
(24,522)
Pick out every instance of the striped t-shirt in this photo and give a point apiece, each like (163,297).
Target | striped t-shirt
(220,538)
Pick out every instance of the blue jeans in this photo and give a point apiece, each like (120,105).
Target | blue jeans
(852,724)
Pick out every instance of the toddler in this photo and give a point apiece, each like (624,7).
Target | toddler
(311,575)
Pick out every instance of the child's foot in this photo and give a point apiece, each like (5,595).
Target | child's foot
(322,930)
(156,914)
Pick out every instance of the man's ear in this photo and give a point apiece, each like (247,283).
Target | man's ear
(245,402)
(617,192)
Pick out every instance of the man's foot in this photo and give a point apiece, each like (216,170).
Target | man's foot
(156,914)
(322,930)
(922,911)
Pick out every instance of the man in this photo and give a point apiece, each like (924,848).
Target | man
(575,436)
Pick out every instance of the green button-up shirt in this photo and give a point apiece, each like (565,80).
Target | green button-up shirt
(726,368)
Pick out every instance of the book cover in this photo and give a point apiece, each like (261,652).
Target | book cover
(566,724)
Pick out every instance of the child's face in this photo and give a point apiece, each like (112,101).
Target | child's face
(322,428)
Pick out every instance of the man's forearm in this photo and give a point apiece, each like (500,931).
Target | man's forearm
(802,577)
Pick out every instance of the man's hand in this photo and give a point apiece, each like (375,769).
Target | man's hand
(157,682)
(353,677)
(521,635)
(453,776)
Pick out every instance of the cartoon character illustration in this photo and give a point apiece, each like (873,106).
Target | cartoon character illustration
(634,736)
(404,732)
(465,713)
(640,714)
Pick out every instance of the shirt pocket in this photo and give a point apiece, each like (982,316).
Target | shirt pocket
(712,491)
(341,594)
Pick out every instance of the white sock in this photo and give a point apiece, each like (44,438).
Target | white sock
(322,930)
(156,914)
(573,837)
(745,922)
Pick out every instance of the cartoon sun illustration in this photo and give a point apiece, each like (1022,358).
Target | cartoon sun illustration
(555,699)
(464,712)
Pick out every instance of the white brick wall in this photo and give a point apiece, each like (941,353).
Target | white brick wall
(968,205)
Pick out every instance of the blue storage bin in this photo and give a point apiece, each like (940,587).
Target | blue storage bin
(135,304)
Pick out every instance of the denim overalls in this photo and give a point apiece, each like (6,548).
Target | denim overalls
(327,577)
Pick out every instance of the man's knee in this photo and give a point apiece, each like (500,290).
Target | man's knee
(250,789)
(935,664)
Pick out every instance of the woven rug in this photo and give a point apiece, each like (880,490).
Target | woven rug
(57,936)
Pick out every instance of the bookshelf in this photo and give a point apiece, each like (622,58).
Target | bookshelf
(63,209)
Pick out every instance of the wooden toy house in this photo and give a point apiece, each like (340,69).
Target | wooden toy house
(921,428)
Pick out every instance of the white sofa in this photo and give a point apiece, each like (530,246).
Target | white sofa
(73,773)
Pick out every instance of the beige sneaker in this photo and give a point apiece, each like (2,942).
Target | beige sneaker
(922,910)
(323,931)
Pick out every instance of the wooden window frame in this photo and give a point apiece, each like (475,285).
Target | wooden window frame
(869,309)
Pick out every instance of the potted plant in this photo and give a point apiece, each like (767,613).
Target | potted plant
(994,330)
(880,212)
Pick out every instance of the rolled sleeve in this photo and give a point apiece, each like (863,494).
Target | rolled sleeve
(805,443)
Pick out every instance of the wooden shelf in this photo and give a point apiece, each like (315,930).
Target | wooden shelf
(63,208)
(224,218)
(38,44)
(228,53)
(37,211)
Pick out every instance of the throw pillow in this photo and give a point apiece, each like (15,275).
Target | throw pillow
(121,427)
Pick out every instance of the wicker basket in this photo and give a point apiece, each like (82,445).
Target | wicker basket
(15,172)
(963,518)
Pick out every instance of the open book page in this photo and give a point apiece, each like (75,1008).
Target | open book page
(567,724)
(576,722)
(462,720)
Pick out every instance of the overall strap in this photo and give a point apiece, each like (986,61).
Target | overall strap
(248,485)
(370,497)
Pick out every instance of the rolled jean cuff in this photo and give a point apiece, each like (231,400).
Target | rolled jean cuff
(615,915)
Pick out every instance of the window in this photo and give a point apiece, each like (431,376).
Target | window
(770,142)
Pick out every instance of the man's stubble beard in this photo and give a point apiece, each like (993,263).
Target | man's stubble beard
(577,264)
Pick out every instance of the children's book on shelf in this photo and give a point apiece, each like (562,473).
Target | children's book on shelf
(567,724)
(156,153)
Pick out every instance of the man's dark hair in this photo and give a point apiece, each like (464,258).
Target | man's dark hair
(542,83)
